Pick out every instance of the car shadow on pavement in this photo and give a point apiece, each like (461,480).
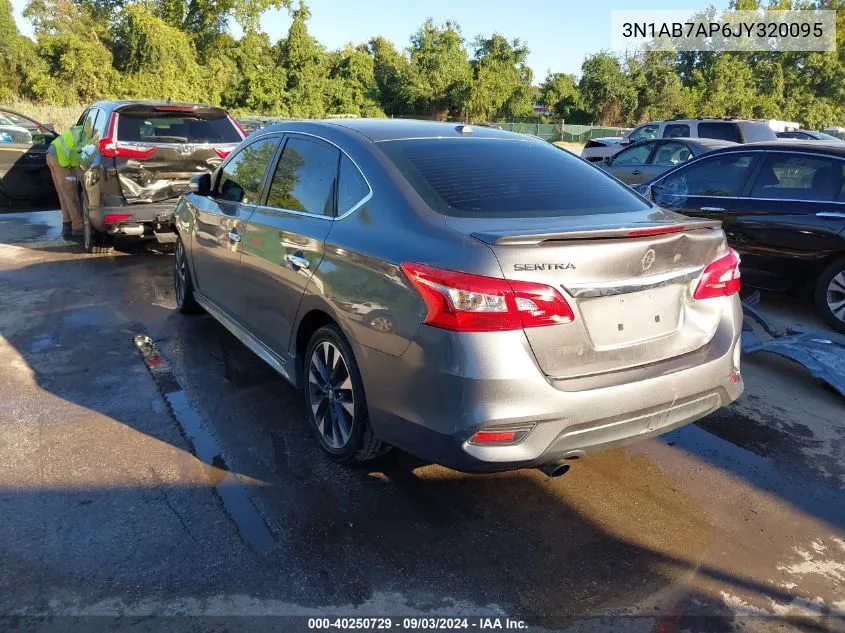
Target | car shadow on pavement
(104,505)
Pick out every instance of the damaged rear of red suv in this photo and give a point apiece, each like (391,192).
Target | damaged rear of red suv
(138,158)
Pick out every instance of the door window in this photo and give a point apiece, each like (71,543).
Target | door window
(633,155)
(671,154)
(88,125)
(676,130)
(722,175)
(644,133)
(305,177)
(352,188)
(798,177)
(721,130)
(242,178)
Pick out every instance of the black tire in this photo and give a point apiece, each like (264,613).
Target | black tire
(183,283)
(93,241)
(830,295)
(361,445)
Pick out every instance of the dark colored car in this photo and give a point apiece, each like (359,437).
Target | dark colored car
(25,180)
(138,158)
(647,159)
(479,298)
(783,208)
(807,135)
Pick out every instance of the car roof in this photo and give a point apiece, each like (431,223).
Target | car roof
(796,145)
(380,130)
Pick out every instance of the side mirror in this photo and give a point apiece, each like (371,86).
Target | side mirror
(607,160)
(200,185)
(654,192)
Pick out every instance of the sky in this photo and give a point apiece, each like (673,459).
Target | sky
(559,33)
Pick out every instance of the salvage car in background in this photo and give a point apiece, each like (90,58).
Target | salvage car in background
(25,180)
(479,298)
(808,135)
(597,149)
(138,158)
(733,130)
(783,208)
(647,159)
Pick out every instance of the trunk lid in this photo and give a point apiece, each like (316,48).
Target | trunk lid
(629,279)
(157,149)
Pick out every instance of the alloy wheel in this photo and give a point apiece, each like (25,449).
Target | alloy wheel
(836,296)
(331,395)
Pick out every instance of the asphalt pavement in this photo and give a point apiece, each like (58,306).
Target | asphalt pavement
(153,466)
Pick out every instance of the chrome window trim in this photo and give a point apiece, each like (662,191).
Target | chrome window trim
(831,214)
(354,208)
(611,288)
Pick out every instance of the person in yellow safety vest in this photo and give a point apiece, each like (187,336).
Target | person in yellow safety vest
(62,158)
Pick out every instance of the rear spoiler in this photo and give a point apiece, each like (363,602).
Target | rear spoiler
(595,233)
(186,108)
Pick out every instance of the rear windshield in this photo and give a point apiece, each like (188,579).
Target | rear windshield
(507,178)
(161,127)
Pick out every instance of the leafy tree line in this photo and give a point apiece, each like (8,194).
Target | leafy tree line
(183,49)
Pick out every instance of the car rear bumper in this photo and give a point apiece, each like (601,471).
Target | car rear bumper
(145,216)
(432,399)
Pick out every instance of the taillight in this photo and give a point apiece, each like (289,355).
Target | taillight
(222,153)
(111,148)
(657,230)
(113,218)
(720,278)
(474,303)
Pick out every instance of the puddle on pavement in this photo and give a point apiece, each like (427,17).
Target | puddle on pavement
(31,226)
(772,471)
(233,494)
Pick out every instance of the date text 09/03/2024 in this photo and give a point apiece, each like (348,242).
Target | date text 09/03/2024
(417,623)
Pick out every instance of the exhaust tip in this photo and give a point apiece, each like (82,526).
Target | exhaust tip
(555,469)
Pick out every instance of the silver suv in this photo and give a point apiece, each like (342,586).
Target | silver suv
(733,130)
(478,298)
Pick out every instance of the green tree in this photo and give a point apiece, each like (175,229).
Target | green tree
(606,91)
(307,67)
(660,93)
(156,60)
(559,93)
(391,69)
(501,85)
(353,88)
(440,73)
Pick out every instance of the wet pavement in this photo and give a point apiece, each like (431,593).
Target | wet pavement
(190,485)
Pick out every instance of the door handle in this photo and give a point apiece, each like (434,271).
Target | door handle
(234,236)
(712,209)
(636,172)
(297,261)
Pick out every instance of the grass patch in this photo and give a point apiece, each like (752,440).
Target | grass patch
(62,117)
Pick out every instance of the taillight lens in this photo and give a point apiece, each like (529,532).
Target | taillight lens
(111,148)
(720,278)
(474,303)
(222,152)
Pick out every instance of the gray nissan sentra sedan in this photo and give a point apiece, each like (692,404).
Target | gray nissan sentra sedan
(478,298)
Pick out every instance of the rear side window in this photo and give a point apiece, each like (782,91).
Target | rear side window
(633,155)
(242,178)
(507,178)
(799,177)
(676,130)
(305,177)
(671,154)
(724,131)
(162,127)
(715,176)
(352,188)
